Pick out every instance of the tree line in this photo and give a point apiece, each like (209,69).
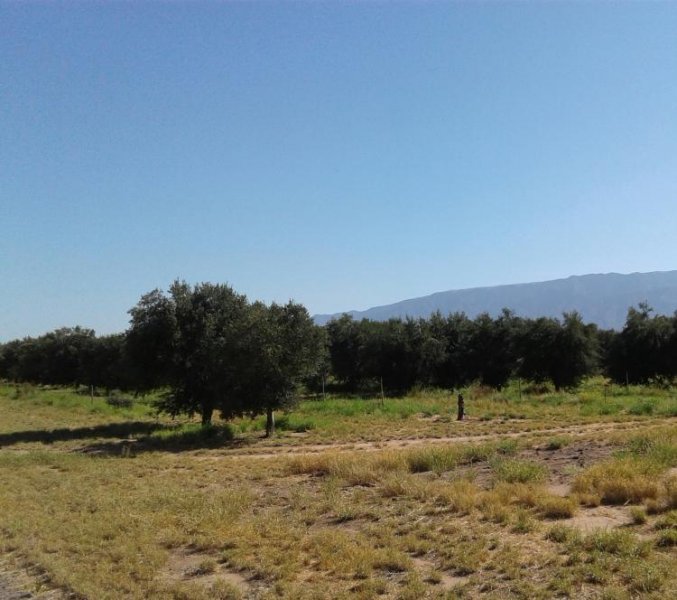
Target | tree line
(453,351)
(206,347)
(210,349)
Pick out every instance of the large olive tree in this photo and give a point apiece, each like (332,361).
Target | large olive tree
(214,350)
(190,341)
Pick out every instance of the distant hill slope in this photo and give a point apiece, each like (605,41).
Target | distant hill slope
(603,299)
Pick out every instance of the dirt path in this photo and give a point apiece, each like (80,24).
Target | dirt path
(400,443)
(16,581)
(8,592)
(14,584)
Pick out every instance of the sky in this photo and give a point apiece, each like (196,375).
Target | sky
(344,155)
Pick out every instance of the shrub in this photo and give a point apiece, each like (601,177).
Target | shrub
(538,388)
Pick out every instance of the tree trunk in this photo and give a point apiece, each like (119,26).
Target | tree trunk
(270,422)
(207,412)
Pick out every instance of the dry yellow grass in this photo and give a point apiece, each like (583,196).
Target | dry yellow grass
(619,481)
(433,521)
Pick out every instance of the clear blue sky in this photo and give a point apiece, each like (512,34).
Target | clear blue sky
(343,155)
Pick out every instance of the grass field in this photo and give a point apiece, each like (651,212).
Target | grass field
(535,495)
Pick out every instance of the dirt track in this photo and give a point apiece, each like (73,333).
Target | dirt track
(14,583)
(7,592)
(269,451)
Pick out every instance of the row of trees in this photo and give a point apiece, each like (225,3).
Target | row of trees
(455,350)
(645,350)
(213,350)
(207,346)
(67,356)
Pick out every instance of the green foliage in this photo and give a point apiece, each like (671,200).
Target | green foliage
(454,351)
(211,349)
(646,349)
(216,351)
(278,349)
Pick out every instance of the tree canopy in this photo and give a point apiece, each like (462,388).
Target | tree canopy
(216,351)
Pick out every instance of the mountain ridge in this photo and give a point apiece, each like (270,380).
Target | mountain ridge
(602,298)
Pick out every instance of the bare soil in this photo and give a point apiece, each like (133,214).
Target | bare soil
(266,451)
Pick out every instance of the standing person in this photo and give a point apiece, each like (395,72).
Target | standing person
(461,407)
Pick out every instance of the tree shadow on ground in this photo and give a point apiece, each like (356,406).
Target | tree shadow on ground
(170,439)
(49,436)
(138,436)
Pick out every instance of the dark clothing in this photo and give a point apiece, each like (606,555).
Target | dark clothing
(461,407)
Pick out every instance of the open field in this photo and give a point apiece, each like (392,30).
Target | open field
(547,495)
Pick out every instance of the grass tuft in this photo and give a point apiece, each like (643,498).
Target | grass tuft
(554,507)
(619,481)
(617,542)
(517,471)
